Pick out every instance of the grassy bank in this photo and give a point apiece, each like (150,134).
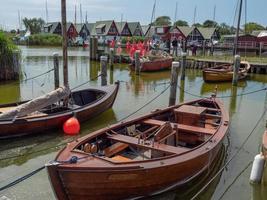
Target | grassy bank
(43,40)
(252,59)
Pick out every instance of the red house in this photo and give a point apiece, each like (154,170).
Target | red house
(71,31)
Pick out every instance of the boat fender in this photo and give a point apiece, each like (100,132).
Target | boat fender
(87,148)
(257,169)
(94,149)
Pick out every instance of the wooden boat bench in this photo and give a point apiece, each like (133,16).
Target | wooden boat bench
(182,127)
(157,146)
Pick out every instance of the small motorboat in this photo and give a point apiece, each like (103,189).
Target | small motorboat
(224,72)
(144,156)
(83,104)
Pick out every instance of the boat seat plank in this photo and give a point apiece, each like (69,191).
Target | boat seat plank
(182,127)
(196,129)
(114,149)
(5,109)
(157,146)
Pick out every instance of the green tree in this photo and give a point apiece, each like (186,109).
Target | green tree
(197,25)
(252,26)
(162,20)
(181,23)
(34,25)
(209,23)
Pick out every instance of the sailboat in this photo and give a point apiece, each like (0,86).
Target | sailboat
(224,72)
(53,109)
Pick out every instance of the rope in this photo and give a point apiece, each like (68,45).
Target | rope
(149,102)
(22,179)
(236,178)
(93,79)
(34,77)
(223,97)
(235,154)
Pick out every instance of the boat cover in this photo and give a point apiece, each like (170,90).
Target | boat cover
(37,104)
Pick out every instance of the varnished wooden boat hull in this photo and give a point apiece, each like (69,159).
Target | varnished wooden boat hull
(34,125)
(129,183)
(110,181)
(213,75)
(158,65)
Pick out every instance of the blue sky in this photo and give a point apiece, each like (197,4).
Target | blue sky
(132,10)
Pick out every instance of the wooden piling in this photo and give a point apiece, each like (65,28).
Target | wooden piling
(203,47)
(111,58)
(56,69)
(93,48)
(103,61)
(183,65)
(65,42)
(260,51)
(237,61)
(174,79)
(137,62)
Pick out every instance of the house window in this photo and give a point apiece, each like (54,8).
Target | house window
(112,29)
(160,30)
(100,30)
(125,31)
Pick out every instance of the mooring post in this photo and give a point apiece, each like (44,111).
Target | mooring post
(137,62)
(260,51)
(104,61)
(56,69)
(237,61)
(174,79)
(183,66)
(203,47)
(111,58)
(91,48)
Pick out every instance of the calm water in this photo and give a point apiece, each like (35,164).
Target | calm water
(134,92)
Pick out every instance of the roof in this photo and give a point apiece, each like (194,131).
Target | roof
(133,26)
(186,30)
(145,28)
(54,26)
(90,26)
(260,33)
(101,24)
(79,27)
(207,33)
(120,26)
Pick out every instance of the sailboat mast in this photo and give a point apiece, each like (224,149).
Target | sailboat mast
(175,14)
(65,42)
(75,16)
(238,28)
(46,11)
(81,15)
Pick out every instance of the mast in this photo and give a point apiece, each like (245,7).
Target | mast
(214,13)
(195,14)
(238,28)
(19,20)
(75,15)
(46,11)
(81,14)
(175,14)
(65,42)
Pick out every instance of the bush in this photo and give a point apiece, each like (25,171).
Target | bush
(45,40)
(134,38)
(6,50)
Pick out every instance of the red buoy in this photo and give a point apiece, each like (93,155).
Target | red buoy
(71,126)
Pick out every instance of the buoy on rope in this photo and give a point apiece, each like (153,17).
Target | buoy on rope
(257,169)
(71,126)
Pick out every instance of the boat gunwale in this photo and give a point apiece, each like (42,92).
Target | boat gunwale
(107,93)
(223,128)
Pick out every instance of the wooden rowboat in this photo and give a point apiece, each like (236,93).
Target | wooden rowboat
(144,156)
(224,73)
(155,65)
(84,105)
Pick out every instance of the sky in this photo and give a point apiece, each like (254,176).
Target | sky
(131,10)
